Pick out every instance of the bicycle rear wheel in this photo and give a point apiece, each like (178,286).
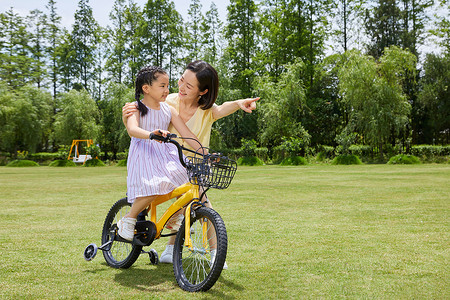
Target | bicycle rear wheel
(194,269)
(121,254)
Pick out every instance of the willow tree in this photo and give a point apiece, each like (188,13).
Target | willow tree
(373,93)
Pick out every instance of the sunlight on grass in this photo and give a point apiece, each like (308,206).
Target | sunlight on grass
(366,231)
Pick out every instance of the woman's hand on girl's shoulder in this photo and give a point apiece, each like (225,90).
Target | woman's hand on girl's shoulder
(129,109)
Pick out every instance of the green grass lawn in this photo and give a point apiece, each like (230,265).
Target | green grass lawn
(330,232)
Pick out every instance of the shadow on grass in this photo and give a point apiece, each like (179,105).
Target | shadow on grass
(160,278)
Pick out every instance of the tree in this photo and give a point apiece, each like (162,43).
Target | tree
(85,38)
(65,59)
(276,50)
(325,116)
(241,34)
(118,40)
(211,28)
(441,30)
(160,35)
(193,39)
(25,116)
(414,20)
(114,136)
(379,110)
(16,63)
(282,105)
(77,119)
(434,101)
(348,16)
(53,37)
(100,57)
(383,27)
(317,24)
(37,21)
(133,16)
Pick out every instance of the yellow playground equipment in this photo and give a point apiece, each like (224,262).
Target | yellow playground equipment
(77,158)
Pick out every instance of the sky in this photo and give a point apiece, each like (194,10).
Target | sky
(100,8)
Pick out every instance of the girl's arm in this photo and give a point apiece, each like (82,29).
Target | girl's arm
(135,131)
(179,125)
(229,107)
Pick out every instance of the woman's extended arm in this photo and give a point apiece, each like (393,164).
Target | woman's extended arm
(227,108)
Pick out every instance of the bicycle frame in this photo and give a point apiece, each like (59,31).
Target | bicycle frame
(188,193)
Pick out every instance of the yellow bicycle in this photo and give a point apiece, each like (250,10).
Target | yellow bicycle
(201,242)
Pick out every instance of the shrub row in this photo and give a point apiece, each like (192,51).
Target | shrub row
(429,151)
(278,155)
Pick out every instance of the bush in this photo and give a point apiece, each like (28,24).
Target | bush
(250,161)
(324,152)
(22,163)
(403,159)
(294,161)
(93,151)
(348,159)
(122,155)
(62,163)
(262,153)
(430,151)
(122,163)
(63,152)
(248,147)
(44,156)
(361,150)
(95,162)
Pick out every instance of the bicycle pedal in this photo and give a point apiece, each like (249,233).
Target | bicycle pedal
(146,232)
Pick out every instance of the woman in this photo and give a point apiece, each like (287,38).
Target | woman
(198,88)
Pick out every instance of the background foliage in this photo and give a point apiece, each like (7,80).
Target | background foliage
(333,74)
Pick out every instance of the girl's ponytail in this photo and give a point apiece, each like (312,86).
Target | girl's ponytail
(141,107)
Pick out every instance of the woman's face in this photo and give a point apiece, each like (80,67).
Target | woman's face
(188,87)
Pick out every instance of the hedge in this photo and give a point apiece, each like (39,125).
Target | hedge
(428,151)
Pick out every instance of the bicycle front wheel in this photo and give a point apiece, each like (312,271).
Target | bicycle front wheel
(121,254)
(198,269)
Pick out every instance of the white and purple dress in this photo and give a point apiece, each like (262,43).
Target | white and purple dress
(153,168)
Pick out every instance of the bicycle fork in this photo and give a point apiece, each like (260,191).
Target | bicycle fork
(187,222)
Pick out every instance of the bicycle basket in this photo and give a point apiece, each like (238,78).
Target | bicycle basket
(213,171)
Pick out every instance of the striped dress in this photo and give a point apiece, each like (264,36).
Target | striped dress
(153,168)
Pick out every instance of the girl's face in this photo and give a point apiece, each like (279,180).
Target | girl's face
(188,87)
(159,89)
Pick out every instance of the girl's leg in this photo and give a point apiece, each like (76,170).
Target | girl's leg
(139,205)
(128,223)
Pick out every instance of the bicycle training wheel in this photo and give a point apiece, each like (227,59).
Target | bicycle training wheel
(121,254)
(195,270)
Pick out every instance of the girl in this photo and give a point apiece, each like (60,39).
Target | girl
(153,168)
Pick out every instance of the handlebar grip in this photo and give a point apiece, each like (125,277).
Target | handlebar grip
(161,138)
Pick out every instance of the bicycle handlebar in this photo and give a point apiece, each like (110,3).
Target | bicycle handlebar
(169,139)
(206,170)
